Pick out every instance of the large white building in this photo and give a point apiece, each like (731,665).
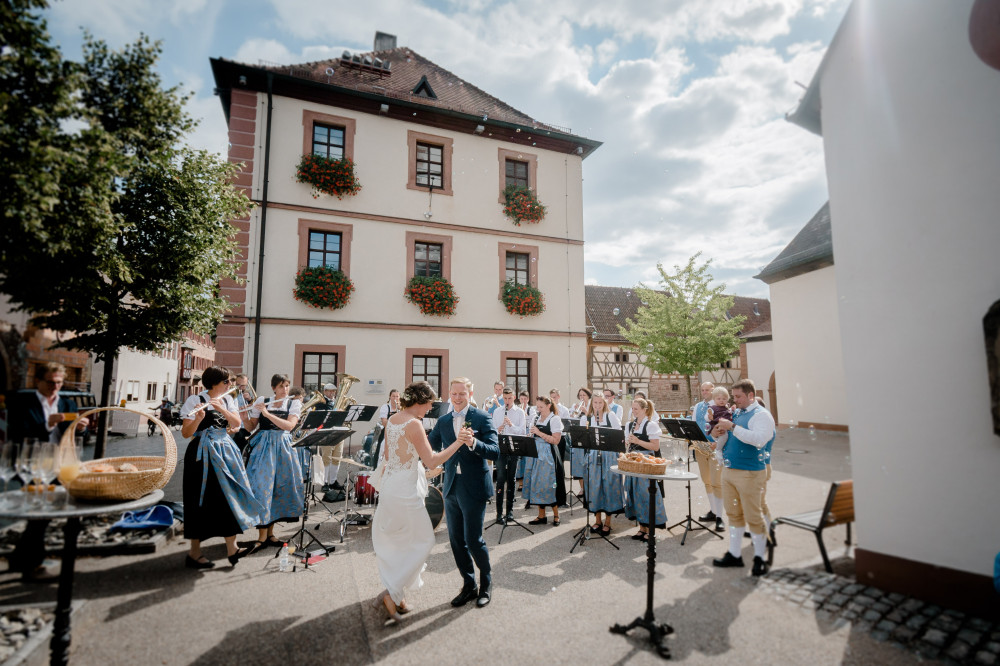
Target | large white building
(906,100)
(403,120)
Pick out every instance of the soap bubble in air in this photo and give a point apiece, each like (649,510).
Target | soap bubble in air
(615,312)
(649,347)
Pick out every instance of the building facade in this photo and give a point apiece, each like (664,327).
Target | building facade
(808,361)
(912,149)
(614,363)
(433,154)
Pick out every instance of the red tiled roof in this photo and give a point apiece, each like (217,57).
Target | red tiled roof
(407,70)
(602,302)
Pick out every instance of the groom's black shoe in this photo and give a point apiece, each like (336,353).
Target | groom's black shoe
(500,520)
(465,596)
(484,595)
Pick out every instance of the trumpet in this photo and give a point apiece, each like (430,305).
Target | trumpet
(315,399)
(253,396)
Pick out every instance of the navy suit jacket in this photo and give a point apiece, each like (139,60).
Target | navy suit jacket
(475,483)
(25,417)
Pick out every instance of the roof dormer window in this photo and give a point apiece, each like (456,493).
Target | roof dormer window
(423,89)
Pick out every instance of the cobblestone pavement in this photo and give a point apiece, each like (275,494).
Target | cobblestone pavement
(925,630)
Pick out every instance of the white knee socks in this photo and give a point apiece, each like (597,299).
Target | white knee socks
(759,542)
(331,473)
(735,541)
(716,503)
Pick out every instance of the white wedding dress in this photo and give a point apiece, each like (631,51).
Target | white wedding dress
(402,534)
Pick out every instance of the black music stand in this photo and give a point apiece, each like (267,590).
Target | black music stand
(310,442)
(571,422)
(590,439)
(515,445)
(689,430)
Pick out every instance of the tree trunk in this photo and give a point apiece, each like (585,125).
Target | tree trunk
(690,396)
(110,356)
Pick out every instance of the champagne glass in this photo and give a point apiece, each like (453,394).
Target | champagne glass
(47,466)
(8,469)
(23,463)
(69,464)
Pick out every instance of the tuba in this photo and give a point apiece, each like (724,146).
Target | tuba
(345,381)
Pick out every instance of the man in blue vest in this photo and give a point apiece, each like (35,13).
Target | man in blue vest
(744,442)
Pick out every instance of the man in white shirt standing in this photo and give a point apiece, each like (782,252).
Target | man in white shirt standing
(609,397)
(743,442)
(508,419)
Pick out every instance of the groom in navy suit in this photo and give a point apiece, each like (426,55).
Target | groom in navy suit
(468,483)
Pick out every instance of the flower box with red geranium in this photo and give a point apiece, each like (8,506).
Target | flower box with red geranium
(433,295)
(328,176)
(522,299)
(323,287)
(522,205)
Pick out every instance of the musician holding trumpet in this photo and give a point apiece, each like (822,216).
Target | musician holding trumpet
(274,467)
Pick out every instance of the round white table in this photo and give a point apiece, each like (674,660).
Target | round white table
(657,632)
(72,512)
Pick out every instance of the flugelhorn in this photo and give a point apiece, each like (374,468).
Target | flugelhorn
(345,382)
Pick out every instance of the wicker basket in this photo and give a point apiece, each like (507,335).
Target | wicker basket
(641,467)
(153,471)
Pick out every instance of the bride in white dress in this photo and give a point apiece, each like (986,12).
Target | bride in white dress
(402,534)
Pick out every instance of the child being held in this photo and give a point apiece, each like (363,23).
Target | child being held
(719,410)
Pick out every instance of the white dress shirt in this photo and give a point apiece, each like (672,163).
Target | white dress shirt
(48,409)
(517,417)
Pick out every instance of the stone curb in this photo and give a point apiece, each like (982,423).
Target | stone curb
(926,630)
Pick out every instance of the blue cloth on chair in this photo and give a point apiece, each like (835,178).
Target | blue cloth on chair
(157,516)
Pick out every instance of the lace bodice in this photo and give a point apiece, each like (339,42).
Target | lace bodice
(400,452)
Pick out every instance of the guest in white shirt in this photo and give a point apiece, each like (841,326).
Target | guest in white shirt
(508,419)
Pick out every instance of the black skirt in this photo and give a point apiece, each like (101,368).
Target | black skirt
(213,518)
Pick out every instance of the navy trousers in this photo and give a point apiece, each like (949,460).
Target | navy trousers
(465,529)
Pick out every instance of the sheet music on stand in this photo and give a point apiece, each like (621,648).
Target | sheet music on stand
(572,421)
(436,411)
(518,445)
(360,413)
(601,439)
(684,429)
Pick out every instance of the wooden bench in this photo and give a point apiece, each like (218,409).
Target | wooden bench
(839,510)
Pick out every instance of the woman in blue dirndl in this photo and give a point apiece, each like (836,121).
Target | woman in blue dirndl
(602,487)
(217,496)
(580,410)
(643,434)
(547,484)
(274,467)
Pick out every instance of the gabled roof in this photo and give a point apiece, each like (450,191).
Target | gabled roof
(455,103)
(600,304)
(810,250)
(409,70)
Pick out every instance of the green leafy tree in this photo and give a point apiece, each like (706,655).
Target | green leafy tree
(143,263)
(683,328)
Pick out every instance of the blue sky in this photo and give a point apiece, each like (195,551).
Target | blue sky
(688,96)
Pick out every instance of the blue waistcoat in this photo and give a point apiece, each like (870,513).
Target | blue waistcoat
(740,455)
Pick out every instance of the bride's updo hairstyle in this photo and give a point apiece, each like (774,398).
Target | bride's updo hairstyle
(417,393)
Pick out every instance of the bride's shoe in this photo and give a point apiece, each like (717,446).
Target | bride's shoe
(390,607)
(402,608)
